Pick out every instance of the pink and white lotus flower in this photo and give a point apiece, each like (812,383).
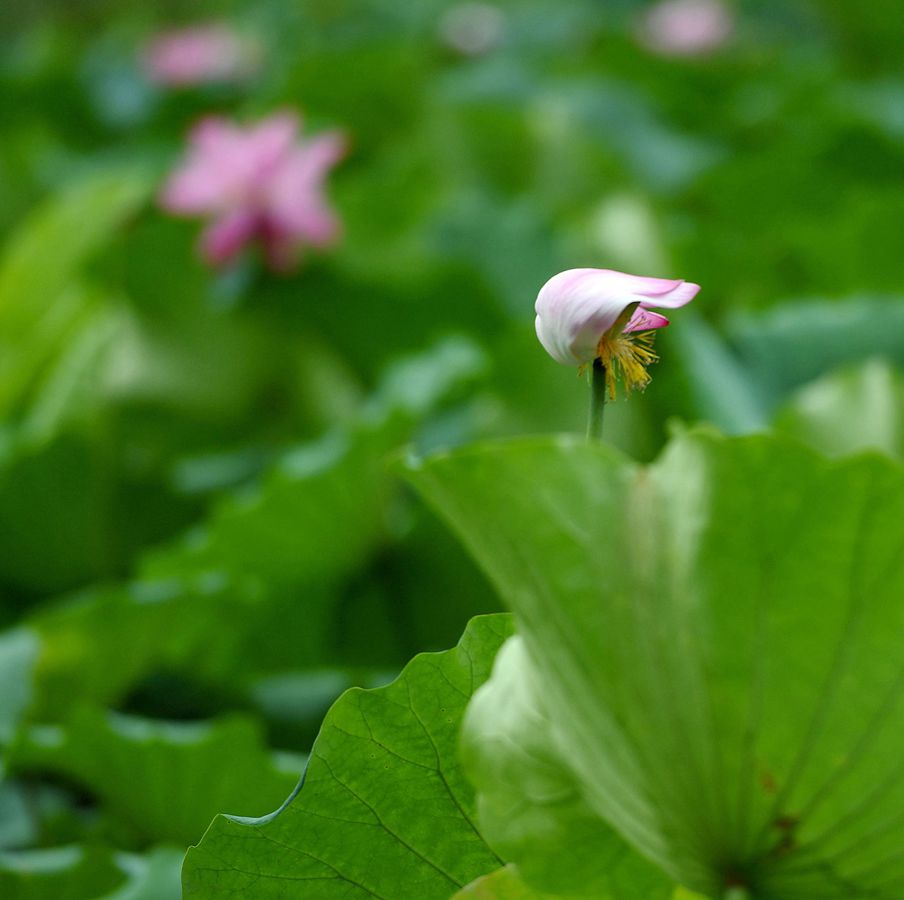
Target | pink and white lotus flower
(589,314)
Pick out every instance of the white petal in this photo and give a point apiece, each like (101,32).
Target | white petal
(577,307)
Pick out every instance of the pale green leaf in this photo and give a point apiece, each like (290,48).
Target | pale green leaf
(58,873)
(528,799)
(503,884)
(40,301)
(155,876)
(79,872)
(855,409)
(18,653)
(17,825)
(790,345)
(723,390)
(507,884)
(160,781)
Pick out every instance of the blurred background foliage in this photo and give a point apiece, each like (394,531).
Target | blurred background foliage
(202,541)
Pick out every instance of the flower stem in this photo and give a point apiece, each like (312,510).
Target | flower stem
(597,401)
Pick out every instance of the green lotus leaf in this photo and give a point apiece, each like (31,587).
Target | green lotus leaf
(856,408)
(384,809)
(720,643)
(159,781)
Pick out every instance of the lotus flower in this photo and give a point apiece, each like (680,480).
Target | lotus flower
(259,183)
(589,314)
(686,27)
(197,55)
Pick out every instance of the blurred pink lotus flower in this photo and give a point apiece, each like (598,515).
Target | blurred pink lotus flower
(588,314)
(261,182)
(197,55)
(686,27)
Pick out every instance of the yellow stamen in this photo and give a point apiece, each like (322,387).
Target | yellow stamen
(626,356)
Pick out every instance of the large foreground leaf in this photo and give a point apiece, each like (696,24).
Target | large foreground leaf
(531,808)
(720,643)
(384,810)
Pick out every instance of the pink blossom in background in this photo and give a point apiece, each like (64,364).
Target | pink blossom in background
(197,55)
(257,183)
(686,27)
